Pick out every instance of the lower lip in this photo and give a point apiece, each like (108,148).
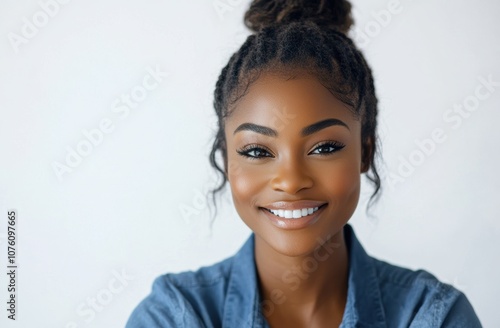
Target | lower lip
(292,224)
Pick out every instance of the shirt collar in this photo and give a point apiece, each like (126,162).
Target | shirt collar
(364,302)
(242,306)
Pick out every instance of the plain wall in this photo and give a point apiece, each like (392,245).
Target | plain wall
(121,211)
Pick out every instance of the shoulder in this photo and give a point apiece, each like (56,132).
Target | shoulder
(185,299)
(419,299)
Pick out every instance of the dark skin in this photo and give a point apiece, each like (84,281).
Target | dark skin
(302,283)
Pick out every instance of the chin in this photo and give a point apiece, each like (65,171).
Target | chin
(293,243)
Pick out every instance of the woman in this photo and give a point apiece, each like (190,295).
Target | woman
(297,115)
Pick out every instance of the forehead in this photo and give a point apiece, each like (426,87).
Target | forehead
(302,99)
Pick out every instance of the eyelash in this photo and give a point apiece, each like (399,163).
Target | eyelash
(252,147)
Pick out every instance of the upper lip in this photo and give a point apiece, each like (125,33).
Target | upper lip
(296,205)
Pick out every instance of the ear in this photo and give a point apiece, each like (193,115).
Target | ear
(366,155)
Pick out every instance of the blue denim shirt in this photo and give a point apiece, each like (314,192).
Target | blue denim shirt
(226,294)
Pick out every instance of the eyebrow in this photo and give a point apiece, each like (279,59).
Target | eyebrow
(308,130)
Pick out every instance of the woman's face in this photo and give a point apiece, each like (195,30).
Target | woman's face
(291,157)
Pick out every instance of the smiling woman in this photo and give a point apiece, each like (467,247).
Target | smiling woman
(297,115)
(313,162)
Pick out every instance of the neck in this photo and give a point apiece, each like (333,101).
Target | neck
(306,284)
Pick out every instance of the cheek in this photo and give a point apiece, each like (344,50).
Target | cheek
(245,183)
(343,182)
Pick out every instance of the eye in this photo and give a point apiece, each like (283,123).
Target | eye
(253,152)
(328,147)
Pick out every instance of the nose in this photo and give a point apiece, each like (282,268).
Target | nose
(291,176)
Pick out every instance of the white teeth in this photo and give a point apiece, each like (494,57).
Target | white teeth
(294,214)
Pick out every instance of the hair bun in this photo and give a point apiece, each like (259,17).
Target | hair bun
(325,13)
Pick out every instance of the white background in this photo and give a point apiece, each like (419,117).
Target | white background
(119,210)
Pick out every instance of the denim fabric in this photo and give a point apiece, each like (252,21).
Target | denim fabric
(226,295)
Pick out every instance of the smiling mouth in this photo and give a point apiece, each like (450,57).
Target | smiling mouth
(294,214)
